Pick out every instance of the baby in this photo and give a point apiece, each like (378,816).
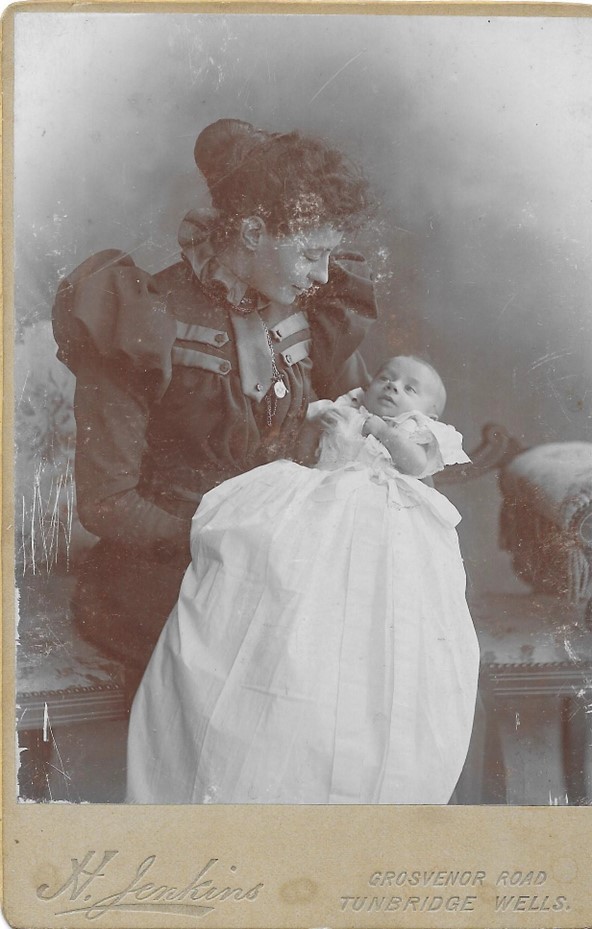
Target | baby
(401,408)
(321,650)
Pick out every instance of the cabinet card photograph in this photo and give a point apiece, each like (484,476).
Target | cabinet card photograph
(298,465)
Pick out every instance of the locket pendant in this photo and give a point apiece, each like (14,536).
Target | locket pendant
(280,389)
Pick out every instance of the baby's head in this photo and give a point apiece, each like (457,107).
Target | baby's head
(403,384)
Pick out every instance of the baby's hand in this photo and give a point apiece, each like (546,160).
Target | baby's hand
(374,425)
(407,456)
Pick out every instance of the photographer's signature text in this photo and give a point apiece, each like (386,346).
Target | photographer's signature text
(211,884)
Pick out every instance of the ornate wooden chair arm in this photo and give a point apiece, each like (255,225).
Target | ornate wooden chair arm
(496,449)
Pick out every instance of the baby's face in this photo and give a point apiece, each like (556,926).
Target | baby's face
(403,385)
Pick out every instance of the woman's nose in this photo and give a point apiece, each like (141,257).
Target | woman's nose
(319,273)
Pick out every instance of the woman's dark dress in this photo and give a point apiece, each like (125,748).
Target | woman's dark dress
(173,375)
(167,406)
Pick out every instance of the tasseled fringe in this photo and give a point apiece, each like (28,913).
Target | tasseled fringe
(548,553)
(579,576)
(539,550)
(579,567)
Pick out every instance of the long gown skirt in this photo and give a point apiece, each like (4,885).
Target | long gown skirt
(321,650)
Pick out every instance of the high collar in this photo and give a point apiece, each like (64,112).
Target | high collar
(195,239)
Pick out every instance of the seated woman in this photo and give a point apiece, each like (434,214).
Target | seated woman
(205,370)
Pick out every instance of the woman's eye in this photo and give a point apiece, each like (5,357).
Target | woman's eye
(313,256)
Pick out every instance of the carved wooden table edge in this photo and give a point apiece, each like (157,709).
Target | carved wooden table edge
(106,702)
(526,679)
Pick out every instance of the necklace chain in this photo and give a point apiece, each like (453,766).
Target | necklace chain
(271,399)
(245,308)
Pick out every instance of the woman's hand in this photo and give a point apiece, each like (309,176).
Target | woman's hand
(330,418)
(316,409)
(324,414)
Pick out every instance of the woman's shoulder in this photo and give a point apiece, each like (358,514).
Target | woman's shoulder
(111,307)
(340,314)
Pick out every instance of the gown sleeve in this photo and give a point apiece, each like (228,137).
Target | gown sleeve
(116,337)
(340,314)
(442,442)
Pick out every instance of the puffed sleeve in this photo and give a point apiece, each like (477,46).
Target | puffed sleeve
(340,314)
(116,337)
(442,442)
(449,443)
(111,308)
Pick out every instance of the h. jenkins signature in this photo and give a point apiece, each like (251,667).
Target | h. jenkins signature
(195,898)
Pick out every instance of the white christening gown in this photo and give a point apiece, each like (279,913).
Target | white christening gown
(321,650)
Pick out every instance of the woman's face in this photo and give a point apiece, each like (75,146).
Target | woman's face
(284,267)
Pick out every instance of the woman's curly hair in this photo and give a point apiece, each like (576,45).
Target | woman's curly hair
(292,181)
